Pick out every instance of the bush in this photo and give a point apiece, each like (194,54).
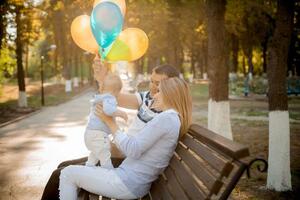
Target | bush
(238,85)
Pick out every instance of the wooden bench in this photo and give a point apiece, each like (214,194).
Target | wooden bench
(205,165)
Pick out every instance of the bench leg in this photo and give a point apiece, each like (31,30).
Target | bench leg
(234,181)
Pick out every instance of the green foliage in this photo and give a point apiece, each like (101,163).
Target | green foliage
(258,85)
(7,64)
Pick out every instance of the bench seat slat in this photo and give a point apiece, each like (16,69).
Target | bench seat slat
(187,181)
(200,170)
(159,190)
(219,164)
(173,186)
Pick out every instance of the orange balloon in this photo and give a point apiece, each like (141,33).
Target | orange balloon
(131,44)
(120,3)
(82,34)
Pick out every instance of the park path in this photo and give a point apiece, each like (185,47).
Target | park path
(32,148)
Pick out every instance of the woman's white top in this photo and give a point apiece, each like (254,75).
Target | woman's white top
(148,152)
(144,114)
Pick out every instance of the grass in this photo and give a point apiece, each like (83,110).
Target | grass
(199,91)
(54,95)
(34,101)
(295,115)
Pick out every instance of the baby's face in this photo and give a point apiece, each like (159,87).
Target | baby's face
(112,88)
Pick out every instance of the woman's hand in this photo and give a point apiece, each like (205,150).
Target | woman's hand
(108,120)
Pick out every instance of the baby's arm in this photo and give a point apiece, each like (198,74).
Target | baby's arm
(110,108)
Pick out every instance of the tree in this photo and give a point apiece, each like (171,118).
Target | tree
(279,176)
(251,22)
(152,17)
(60,14)
(4,7)
(218,105)
(19,52)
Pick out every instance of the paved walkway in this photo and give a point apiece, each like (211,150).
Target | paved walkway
(31,148)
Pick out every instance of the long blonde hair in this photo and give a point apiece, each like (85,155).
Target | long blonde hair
(176,94)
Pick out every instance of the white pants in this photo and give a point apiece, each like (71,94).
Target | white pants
(97,180)
(99,145)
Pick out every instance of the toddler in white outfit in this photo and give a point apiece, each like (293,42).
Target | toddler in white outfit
(96,133)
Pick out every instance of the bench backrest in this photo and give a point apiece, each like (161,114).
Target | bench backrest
(205,166)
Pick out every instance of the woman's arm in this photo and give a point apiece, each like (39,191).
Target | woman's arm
(129,101)
(135,146)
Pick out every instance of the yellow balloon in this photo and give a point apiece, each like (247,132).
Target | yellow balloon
(131,44)
(120,3)
(82,34)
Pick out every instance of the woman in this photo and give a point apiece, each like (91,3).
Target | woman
(147,153)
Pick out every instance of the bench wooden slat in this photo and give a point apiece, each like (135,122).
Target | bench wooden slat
(219,164)
(173,186)
(187,181)
(159,190)
(219,143)
(200,170)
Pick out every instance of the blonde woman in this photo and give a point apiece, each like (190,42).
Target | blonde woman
(147,153)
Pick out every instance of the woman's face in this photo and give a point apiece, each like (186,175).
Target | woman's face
(158,103)
(154,82)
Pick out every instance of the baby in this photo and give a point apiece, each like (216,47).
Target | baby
(96,133)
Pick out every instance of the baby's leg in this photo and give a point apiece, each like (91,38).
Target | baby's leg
(92,141)
(99,145)
(104,154)
(92,159)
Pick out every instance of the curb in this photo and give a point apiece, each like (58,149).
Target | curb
(19,118)
(42,108)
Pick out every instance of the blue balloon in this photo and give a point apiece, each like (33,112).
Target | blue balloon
(106,23)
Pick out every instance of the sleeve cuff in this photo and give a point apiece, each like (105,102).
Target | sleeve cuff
(119,137)
(139,98)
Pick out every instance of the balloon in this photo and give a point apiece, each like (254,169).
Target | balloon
(106,23)
(82,34)
(120,3)
(131,44)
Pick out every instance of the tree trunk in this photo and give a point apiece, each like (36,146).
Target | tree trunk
(279,176)
(19,52)
(264,56)
(205,59)
(249,55)
(235,51)
(26,61)
(81,68)
(193,58)
(244,65)
(3,23)
(218,105)
(179,59)
(76,65)
(56,69)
